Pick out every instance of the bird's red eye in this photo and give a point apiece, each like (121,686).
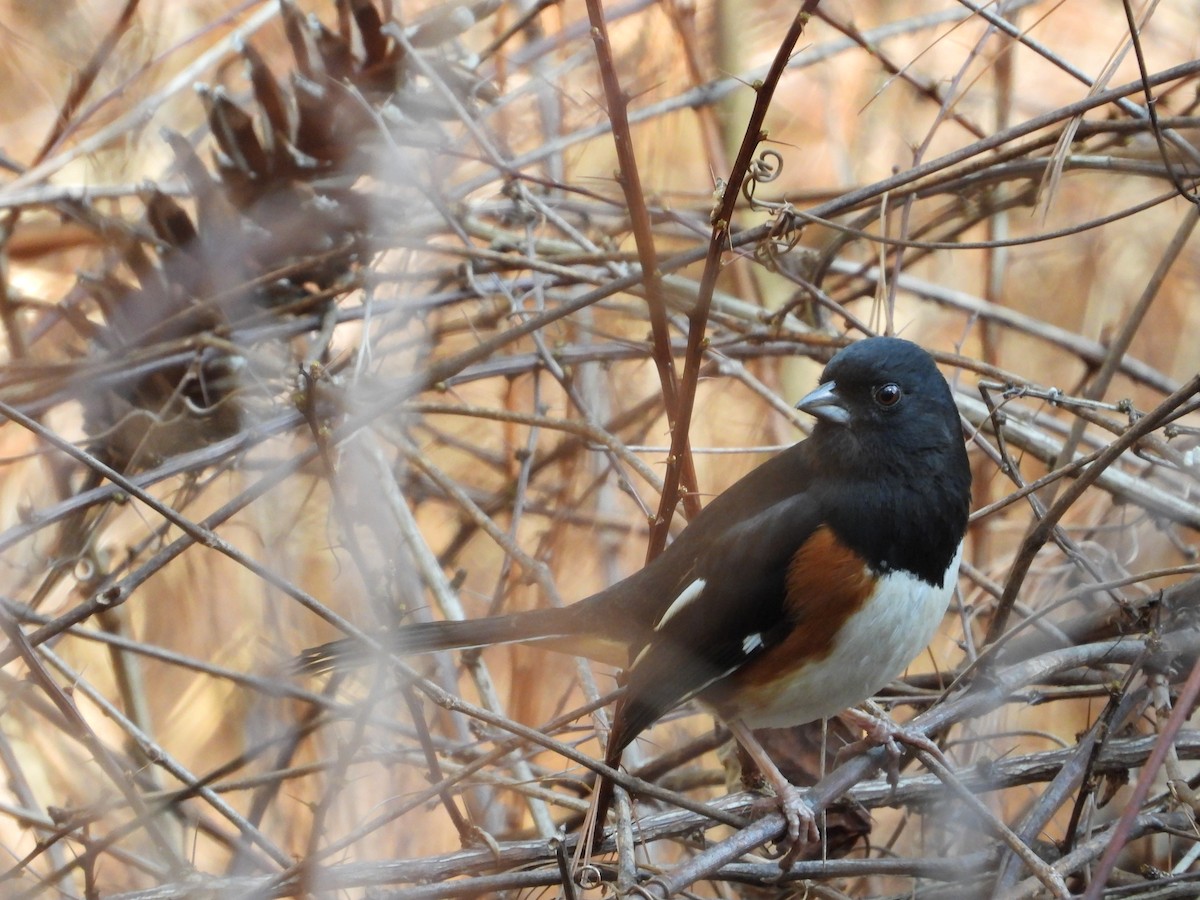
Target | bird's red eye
(888,394)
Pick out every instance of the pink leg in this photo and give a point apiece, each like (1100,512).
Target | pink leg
(801,823)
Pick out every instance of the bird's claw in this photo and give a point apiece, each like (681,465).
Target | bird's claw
(879,731)
(801,825)
(802,830)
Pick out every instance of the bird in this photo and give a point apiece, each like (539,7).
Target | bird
(797,593)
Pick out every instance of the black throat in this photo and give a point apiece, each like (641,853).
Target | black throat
(907,512)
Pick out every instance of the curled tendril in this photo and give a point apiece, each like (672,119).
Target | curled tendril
(763,170)
(644,891)
(589,877)
(767,167)
(780,240)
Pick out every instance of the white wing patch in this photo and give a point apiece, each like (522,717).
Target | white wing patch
(686,596)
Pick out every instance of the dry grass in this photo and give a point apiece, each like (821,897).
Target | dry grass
(276,375)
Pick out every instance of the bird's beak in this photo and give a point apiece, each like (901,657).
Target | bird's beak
(824,403)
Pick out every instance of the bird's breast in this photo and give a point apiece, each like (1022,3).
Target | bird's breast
(790,684)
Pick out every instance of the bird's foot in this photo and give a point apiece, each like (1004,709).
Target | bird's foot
(802,828)
(880,731)
(801,822)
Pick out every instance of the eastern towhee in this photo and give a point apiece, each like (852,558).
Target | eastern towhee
(799,592)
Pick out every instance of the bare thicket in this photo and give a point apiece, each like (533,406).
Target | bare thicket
(323,317)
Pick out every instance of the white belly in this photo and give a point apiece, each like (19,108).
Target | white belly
(873,648)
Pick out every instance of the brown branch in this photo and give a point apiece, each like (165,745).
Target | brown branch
(680,465)
(718,243)
(1040,532)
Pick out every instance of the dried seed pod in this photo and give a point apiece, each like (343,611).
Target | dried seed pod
(279,228)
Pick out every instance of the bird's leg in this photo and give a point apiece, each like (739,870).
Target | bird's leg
(801,822)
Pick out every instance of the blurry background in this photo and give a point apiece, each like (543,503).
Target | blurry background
(325,316)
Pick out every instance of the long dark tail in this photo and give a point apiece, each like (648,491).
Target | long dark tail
(427,637)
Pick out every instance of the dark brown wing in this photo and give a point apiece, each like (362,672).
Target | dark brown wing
(736,616)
